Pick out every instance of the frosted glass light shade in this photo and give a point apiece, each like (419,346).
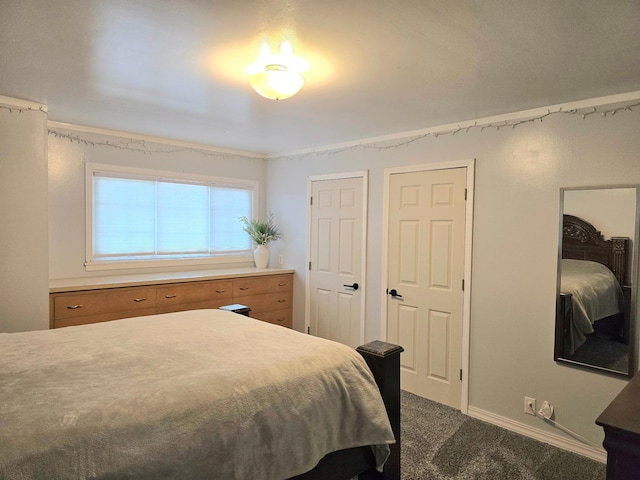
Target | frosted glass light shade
(276,82)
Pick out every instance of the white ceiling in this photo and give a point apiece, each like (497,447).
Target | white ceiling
(175,68)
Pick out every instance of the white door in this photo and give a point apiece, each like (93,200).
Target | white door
(425,273)
(336,260)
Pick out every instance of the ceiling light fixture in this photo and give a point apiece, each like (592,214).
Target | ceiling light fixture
(277,76)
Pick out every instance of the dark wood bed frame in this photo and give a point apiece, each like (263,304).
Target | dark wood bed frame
(582,241)
(384,361)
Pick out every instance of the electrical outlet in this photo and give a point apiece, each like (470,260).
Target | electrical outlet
(530,405)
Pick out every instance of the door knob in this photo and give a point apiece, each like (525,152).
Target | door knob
(394,293)
(355,286)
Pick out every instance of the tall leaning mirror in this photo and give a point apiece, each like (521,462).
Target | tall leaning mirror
(597,279)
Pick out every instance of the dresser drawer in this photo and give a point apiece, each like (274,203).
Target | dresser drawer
(277,317)
(270,296)
(266,302)
(104,302)
(260,285)
(196,292)
(102,317)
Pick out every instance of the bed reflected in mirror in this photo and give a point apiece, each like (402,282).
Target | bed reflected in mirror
(597,273)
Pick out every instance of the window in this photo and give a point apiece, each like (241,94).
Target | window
(137,217)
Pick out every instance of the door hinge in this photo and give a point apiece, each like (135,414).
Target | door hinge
(465,193)
(463,284)
(309,265)
(311,200)
(460,374)
(308,330)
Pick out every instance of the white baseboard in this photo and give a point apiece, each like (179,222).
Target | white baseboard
(564,443)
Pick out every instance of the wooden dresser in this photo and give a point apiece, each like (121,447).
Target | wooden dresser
(621,423)
(268,293)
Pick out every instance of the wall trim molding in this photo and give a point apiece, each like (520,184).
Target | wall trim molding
(564,443)
(148,138)
(521,115)
(439,129)
(22,104)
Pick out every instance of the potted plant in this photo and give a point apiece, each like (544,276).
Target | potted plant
(261,232)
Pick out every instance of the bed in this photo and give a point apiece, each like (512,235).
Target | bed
(196,394)
(592,273)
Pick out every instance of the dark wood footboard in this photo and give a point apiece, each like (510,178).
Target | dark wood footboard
(384,361)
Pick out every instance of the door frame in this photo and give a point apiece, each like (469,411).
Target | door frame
(363,175)
(468,243)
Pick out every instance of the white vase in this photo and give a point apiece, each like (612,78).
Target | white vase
(261,256)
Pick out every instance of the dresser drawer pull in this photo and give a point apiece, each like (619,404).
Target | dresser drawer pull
(139,299)
(279,319)
(222,291)
(244,288)
(74,307)
(282,300)
(170,296)
(281,284)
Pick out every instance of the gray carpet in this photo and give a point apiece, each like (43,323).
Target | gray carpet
(603,352)
(440,443)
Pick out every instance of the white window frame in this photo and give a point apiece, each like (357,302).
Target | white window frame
(92,264)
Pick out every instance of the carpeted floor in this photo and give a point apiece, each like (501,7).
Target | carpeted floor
(440,443)
(603,352)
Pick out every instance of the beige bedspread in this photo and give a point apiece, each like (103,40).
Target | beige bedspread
(200,394)
(595,294)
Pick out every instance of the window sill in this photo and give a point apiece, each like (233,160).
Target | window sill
(100,265)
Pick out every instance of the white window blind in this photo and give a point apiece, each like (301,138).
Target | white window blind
(138,218)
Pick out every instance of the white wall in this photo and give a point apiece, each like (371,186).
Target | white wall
(24,263)
(611,210)
(518,176)
(67,161)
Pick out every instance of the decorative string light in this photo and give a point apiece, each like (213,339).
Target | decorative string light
(140,146)
(481,127)
(13,109)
